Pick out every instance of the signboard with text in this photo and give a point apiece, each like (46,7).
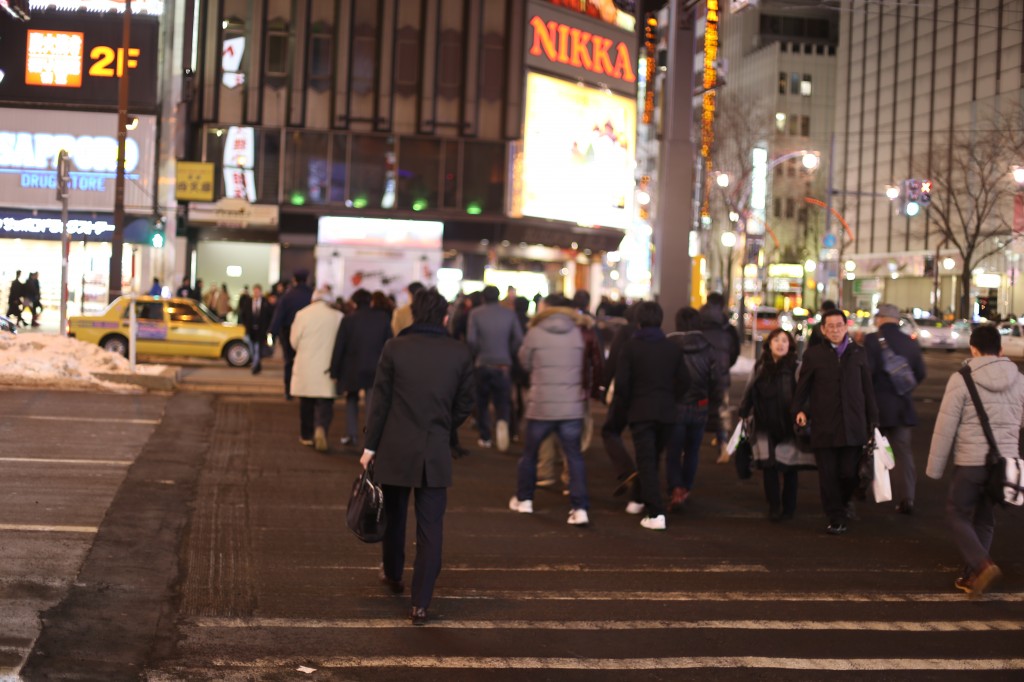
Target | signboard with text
(31,139)
(77,59)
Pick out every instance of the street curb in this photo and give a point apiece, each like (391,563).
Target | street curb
(166,380)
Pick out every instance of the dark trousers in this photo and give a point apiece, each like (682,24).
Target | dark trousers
(430,507)
(649,438)
(352,412)
(314,412)
(569,432)
(969,513)
(682,454)
(838,479)
(904,477)
(288,353)
(780,486)
(611,435)
(256,343)
(492,384)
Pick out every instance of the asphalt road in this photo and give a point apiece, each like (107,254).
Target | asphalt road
(198,540)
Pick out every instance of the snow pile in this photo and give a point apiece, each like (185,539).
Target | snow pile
(52,361)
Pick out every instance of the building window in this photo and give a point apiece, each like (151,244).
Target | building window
(419,167)
(339,167)
(483,177)
(790,207)
(805,126)
(780,122)
(805,85)
(276,63)
(306,172)
(794,84)
(782,82)
(794,125)
(778,207)
(372,173)
(320,59)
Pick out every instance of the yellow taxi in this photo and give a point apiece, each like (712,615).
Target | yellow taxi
(166,326)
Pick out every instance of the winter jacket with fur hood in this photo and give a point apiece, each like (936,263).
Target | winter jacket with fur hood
(552,353)
(957,428)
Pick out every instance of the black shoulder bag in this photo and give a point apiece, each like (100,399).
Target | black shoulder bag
(995,464)
(365,515)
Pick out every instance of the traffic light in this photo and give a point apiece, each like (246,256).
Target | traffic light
(916,195)
(156,237)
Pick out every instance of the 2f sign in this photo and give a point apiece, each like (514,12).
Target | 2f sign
(103,57)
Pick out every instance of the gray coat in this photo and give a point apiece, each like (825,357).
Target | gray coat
(552,353)
(494,334)
(958,430)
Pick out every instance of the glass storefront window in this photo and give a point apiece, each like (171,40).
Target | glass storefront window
(372,179)
(419,166)
(339,168)
(483,177)
(306,171)
(266,162)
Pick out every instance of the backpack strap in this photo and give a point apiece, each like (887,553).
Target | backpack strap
(993,449)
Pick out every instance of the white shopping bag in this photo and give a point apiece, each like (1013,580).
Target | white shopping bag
(881,488)
(883,451)
(737,435)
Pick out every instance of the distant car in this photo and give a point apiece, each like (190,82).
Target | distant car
(1013,339)
(862,326)
(8,325)
(166,326)
(936,334)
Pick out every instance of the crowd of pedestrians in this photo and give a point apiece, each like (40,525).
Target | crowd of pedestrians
(423,368)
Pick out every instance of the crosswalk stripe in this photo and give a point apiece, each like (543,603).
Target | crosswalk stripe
(723,596)
(44,460)
(576,568)
(589,625)
(676,663)
(102,419)
(48,529)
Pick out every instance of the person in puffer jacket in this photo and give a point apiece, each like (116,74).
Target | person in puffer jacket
(703,393)
(553,354)
(958,432)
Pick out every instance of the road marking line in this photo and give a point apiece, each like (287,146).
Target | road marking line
(578,595)
(104,420)
(512,663)
(589,625)
(43,460)
(48,529)
(576,568)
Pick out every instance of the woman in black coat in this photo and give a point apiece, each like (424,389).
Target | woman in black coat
(768,398)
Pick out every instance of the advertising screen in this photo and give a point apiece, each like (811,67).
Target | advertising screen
(30,140)
(77,59)
(579,154)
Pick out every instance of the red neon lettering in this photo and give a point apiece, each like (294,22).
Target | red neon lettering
(602,61)
(544,38)
(563,43)
(623,64)
(580,56)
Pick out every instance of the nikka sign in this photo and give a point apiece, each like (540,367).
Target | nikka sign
(580,48)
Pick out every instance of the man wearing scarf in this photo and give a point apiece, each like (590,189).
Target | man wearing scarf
(835,396)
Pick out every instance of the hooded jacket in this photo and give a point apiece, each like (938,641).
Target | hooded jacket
(957,428)
(552,353)
(723,338)
(701,369)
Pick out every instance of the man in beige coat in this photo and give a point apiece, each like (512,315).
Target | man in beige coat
(312,336)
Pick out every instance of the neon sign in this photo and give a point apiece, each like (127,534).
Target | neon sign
(54,58)
(564,44)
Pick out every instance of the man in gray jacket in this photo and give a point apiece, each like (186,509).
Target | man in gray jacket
(958,431)
(494,335)
(553,354)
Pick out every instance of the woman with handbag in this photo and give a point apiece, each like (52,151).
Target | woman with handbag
(767,399)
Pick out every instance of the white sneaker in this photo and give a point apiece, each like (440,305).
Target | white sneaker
(635,508)
(653,522)
(521,506)
(501,435)
(578,517)
(483,443)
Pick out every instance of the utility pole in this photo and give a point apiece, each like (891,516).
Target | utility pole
(63,181)
(675,205)
(117,240)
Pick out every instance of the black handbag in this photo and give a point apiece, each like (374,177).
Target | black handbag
(866,469)
(365,516)
(743,459)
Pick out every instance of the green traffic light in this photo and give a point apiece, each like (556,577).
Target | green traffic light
(157,241)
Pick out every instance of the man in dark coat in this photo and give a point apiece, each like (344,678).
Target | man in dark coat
(650,378)
(255,315)
(291,302)
(834,393)
(615,421)
(32,296)
(724,338)
(422,392)
(361,337)
(14,304)
(896,412)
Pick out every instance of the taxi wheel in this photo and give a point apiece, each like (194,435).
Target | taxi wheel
(115,343)
(237,354)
